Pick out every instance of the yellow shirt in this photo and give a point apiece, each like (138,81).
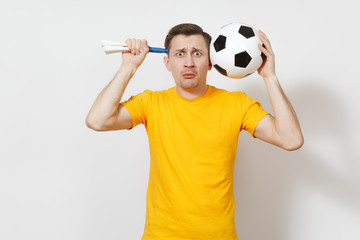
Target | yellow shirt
(192,149)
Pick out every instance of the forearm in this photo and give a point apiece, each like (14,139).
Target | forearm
(286,124)
(105,107)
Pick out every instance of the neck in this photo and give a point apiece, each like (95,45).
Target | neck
(191,93)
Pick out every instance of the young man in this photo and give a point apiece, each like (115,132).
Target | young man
(193,131)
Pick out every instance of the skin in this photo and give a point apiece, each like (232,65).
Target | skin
(283,129)
(189,63)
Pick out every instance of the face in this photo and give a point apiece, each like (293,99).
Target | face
(188,61)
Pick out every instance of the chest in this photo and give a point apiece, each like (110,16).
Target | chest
(209,124)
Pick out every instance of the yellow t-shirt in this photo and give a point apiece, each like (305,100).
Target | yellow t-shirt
(192,149)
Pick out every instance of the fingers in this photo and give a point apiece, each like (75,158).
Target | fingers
(264,39)
(268,67)
(144,46)
(137,46)
(264,50)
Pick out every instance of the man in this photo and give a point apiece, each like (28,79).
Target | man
(193,131)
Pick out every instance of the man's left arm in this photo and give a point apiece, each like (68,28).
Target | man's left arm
(282,129)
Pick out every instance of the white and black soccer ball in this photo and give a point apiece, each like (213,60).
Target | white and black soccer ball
(234,51)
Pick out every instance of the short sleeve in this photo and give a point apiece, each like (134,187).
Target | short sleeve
(252,113)
(138,107)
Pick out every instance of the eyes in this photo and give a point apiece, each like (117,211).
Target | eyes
(195,53)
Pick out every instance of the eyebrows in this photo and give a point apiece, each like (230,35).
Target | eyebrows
(194,49)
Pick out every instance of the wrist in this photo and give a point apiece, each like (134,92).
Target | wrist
(128,68)
(272,77)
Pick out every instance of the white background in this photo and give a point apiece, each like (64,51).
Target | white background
(61,180)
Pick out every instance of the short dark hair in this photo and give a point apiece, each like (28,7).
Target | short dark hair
(187,29)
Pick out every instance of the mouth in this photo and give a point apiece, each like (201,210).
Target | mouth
(189,75)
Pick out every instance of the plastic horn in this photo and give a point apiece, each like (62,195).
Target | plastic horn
(116,47)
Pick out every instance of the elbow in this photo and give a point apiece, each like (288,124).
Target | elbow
(92,124)
(295,144)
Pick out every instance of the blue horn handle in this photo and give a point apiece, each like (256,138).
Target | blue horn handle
(158,50)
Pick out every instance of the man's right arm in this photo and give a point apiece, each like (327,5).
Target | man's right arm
(107,113)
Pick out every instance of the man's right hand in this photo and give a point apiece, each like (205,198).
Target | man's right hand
(138,50)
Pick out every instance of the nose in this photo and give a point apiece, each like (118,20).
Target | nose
(189,61)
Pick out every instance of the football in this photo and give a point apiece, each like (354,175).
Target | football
(234,51)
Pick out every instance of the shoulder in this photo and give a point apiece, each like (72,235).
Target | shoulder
(242,96)
(226,94)
(153,97)
(146,94)
(238,99)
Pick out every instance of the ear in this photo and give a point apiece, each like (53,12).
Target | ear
(210,65)
(167,63)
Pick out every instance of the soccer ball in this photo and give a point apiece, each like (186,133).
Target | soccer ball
(234,51)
